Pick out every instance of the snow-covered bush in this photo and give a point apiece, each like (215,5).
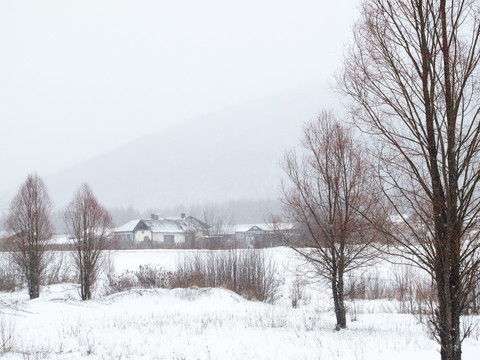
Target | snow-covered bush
(248,272)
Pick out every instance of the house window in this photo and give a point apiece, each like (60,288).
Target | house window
(129,236)
(169,239)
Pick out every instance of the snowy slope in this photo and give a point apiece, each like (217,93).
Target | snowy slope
(200,324)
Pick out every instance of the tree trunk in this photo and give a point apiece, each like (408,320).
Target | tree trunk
(33,279)
(339,303)
(86,293)
(449,302)
(448,317)
(33,287)
(84,289)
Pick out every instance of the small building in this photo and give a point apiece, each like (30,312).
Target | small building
(260,235)
(126,231)
(167,230)
(250,234)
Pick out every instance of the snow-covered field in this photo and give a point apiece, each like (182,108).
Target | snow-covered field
(205,323)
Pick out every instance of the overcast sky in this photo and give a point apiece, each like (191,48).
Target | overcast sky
(78,78)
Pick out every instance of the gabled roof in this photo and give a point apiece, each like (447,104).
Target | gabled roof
(176,224)
(166,225)
(267,227)
(128,227)
(240,228)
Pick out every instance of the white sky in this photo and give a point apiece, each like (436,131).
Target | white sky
(78,78)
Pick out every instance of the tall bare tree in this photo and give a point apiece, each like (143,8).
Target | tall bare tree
(329,190)
(414,78)
(89,223)
(30,228)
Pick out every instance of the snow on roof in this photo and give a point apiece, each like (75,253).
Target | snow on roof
(246,227)
(239,228)
(128,227)
(176,224)
(165,225)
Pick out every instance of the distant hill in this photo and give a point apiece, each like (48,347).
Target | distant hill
(233,154)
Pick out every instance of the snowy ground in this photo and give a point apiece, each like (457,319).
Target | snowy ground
(204,324)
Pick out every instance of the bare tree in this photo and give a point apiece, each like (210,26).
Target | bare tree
(89,223)
(329,185)
(414,78)
(29,225)
(220,227)
(220,223)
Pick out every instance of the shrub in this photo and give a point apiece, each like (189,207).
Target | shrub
(146,277)
(119,283)
(247,272)
(10,275)
(153,277)
(59,269)
(297,291)
(407,286)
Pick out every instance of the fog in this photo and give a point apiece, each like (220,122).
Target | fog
(162,104)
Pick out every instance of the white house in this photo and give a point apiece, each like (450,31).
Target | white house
(170,230)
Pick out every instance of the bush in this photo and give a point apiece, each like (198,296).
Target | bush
(298,291)
(10,276)
(146,277)
(119,283)
(59,269)
(149,277)
(247,272)
(406,285)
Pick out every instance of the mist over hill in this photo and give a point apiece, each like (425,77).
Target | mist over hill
(230,155)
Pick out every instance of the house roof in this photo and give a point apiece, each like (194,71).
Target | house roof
(128,227)
(246,227)
(241,228)
(166,225)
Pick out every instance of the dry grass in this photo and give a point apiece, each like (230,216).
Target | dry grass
(247,272)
